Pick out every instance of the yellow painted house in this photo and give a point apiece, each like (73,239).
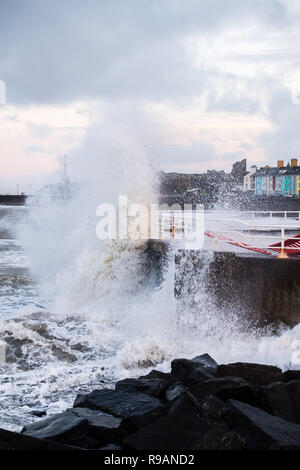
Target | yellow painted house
(298,185)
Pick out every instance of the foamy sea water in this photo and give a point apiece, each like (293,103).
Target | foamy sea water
(77,315)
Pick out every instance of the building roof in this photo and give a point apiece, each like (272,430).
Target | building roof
(293,171)
(273,171)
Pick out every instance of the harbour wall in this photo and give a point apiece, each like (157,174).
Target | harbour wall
(266,291)
(12,199)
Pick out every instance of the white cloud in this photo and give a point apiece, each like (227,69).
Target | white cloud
(34,138)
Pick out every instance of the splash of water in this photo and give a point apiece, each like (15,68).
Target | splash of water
(105,281)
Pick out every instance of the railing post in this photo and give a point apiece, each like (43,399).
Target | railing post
(282,254)
(217,242)
(173,227)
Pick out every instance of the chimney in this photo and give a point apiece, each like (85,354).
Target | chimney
(294,162)
(280,164)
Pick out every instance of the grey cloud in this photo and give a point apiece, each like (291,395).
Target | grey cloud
(34,149)
(69,49)
(126,52)
(283,141)
(39,130)
(196,153)
(231,102)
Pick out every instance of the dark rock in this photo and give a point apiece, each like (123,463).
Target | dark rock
(191,371)
(277,401)
(293,388)
(79,427)
(134,423)
(157,374)
(117,402)
(62,355)
(40,328)
(187,426)
(165,376)
(243,393)
(175,391)
(15,441)
(212,407)
(111,447)
(14,349)
(103,427)
(219,437)
(260,430)
(207,361)
(255,374)
(38,413)
(282,399)
(222,388)
(66,428)
(232,441)
(79,347)
(154,387)
(174,386)
(172,432)
(228,388)
(289,375)
(186,404)
(96,418)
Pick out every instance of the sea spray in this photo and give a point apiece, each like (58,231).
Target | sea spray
(137,323)
(104,280)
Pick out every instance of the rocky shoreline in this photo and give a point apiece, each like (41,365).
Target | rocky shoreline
(199,405)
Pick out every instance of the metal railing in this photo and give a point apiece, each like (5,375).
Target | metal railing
(282,239)
(174,221)
(253,241)
(272,214)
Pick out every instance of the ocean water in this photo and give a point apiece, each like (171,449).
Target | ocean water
(17,289)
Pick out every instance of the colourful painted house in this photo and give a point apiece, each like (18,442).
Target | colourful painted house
(281,180)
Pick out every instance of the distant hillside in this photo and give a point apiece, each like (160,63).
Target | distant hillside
(195,188)
(217,189)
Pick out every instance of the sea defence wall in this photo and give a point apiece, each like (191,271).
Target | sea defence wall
(268,203)
(239,201)
(264,290)
(12,199)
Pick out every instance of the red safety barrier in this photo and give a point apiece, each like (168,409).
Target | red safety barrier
(221,237)
(288,246)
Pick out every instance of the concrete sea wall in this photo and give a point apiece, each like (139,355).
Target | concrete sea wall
(12,200)
(265,290)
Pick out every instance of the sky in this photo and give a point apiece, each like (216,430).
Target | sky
(202,84)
